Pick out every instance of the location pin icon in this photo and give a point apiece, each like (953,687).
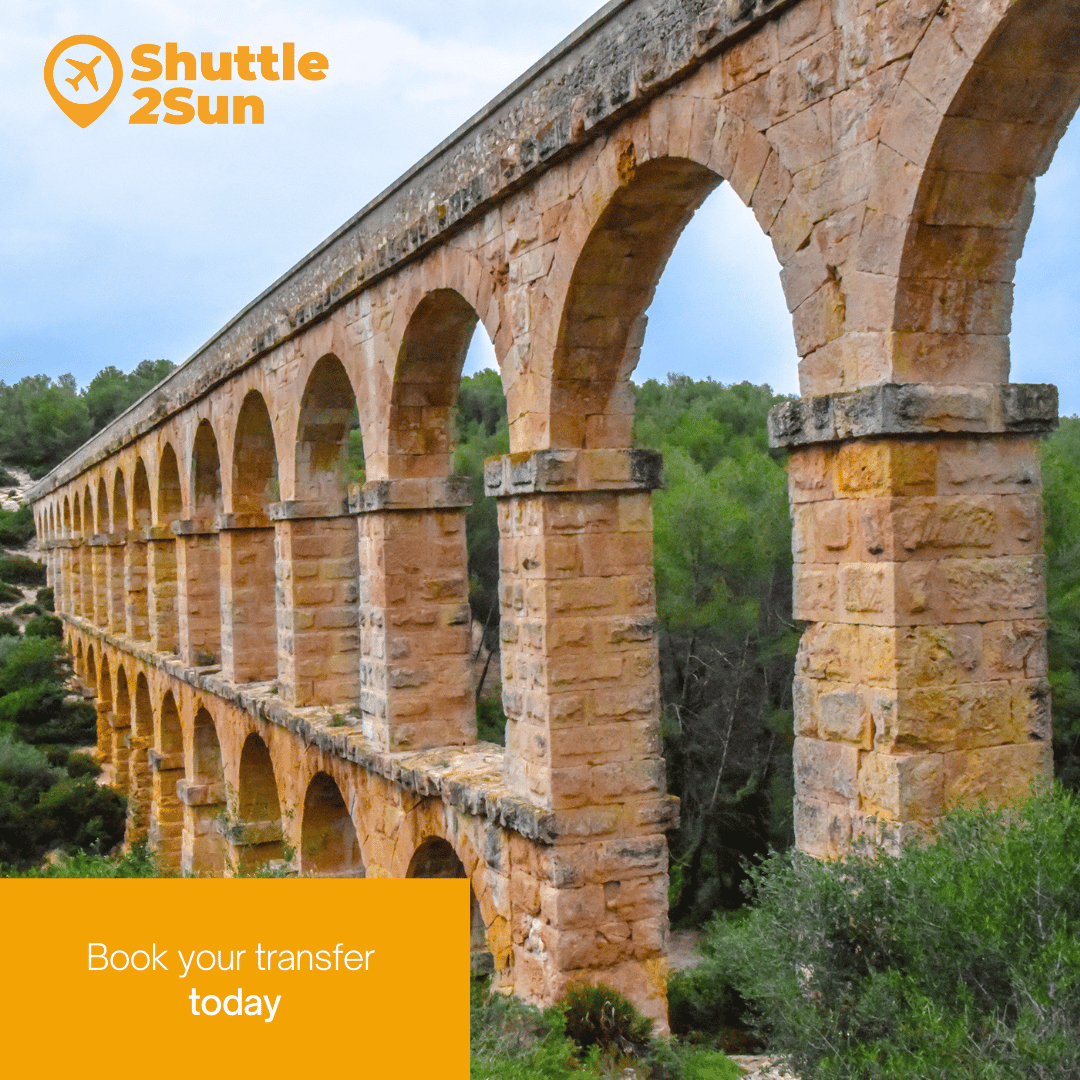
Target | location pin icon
(84,113)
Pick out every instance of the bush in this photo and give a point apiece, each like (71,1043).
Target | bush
(9,627)
(45,626)
(600,1016)
(25,778)
(514,1041)
(45,599)
(78,813)
(79,765)
(28,609)
(17,526)
(7,478)
(9,594)
(957,960)
(33,696)
(698,1064)
(705,1009)
(20,570)
(138,863)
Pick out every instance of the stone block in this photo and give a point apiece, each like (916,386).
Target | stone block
(815,592)
(843,716)
(1015,649)
(826,771)
(962,716)
(830,651)
(822,829)
(998,775)
(901,788)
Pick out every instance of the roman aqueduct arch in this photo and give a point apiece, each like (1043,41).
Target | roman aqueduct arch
(280,660)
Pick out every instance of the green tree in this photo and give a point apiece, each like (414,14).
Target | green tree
(727,645)
(1061,493)
(111,391)
(42,421)
(482,431)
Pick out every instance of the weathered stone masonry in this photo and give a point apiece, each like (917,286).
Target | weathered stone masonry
(282,665)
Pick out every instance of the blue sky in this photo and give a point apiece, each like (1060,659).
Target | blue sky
(125,242)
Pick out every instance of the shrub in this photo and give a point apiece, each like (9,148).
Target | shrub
(9,627)
(138,863)
(42,714)
(17,526)
(600,1016)
(699,1064)
(20,570)
(45,626)
(9,594)
(514,1041)
(705,1009)
(45,599)
(24,766)
(33,696)
(26,662)
(7,478)
(957,960)
(25,775)
(80,765)
(28,609)
(78,813)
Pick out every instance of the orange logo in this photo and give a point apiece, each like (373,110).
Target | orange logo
(85,87)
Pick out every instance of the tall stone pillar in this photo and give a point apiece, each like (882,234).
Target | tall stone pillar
(99,564)
(116,556)
(580,675)
(104,733)
(140,787)
(62,587)
(167,817)
(317,620)
(120,732)
(161,588)
(918,538)
(249,650)
(203,849)
(49,550)
(75,552)
(415,679)
(135,598)
(198,574)
(86,580)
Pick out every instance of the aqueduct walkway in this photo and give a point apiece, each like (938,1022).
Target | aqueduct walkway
(279,661)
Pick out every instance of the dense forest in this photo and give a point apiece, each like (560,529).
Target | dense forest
(42,420)
(723,567)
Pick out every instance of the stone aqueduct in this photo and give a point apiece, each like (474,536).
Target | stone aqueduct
(278,660)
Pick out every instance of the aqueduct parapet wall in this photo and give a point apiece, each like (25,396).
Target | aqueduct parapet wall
(282,665)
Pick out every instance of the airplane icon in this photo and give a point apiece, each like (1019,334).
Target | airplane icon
(84,70)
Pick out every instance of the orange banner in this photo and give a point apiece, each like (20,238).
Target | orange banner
(181,978)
